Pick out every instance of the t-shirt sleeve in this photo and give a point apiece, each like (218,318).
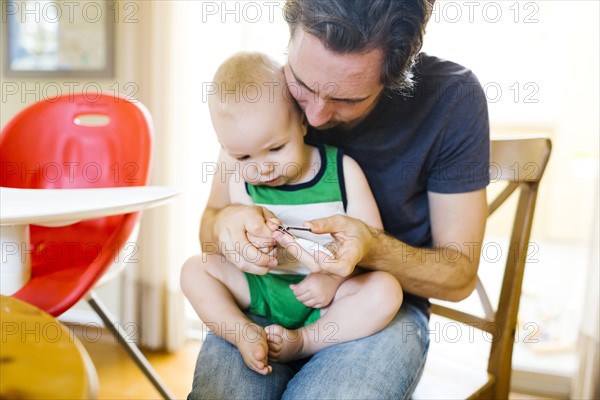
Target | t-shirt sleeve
(462,164)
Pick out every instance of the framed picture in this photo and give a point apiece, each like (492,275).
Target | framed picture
(57,38)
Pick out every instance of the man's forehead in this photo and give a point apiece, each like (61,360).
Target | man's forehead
(348,75)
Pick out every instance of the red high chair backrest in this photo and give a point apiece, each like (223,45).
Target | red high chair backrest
(75,141)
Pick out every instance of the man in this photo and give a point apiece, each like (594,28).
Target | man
(418,127)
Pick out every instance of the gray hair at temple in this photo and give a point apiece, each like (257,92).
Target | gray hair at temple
(354,26)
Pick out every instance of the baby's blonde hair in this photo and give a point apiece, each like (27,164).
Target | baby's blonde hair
(244,78)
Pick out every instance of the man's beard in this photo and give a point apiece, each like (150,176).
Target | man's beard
(328,125)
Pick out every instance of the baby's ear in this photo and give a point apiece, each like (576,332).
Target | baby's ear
(304,123)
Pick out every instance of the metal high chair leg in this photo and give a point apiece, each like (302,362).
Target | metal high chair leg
(135,353)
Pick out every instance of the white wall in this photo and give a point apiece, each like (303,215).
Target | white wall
(538,62)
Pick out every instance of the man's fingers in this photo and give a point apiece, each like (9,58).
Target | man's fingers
(259,226)
(262,242)
(320,225)
(245,255)
(335,223)
(267,214)
(258,229)
(245,237)
(270,218)
(248,267)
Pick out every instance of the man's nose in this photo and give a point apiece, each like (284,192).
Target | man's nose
(318,112)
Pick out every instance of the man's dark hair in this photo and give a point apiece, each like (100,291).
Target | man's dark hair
(349,26)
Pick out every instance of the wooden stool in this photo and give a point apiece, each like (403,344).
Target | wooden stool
(40,358)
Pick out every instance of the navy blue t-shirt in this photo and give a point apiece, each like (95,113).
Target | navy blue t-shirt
(436,139)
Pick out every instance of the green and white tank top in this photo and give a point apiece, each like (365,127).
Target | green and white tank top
(322,196)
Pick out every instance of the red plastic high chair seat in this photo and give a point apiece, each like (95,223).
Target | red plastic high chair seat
(75,141)
(79,141)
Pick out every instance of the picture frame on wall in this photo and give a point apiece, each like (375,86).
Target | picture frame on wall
(57,38)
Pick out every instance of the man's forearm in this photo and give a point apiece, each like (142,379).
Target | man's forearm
(446,272)
(206,226)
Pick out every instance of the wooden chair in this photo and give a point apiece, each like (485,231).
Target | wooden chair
(520,164)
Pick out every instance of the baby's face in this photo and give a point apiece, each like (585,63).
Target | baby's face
(266,139)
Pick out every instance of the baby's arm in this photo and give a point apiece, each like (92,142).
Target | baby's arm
(361,202)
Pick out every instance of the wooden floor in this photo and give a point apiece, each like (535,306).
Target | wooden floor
(120,378)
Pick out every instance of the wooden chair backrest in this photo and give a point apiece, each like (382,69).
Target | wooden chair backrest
(520,162)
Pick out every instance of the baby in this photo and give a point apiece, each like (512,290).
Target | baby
(261,131)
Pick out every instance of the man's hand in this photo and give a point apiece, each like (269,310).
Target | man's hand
(244,234)
(317,290)
(353,240)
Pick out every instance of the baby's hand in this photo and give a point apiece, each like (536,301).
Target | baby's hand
(317,290)
(311,254)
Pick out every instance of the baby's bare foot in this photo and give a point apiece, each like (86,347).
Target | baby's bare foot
(284,344)
(254,349)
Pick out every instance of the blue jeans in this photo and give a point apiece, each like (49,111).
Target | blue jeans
(386,365)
